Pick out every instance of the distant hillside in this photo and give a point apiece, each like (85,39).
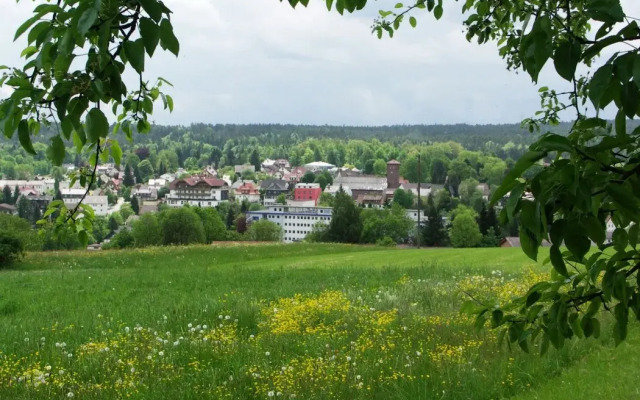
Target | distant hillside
(470,136)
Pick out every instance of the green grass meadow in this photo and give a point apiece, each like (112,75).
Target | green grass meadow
(302,321)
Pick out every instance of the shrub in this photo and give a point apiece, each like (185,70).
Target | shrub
(386,242)
(182,226)
(11,249)
(264,231)
(120,240)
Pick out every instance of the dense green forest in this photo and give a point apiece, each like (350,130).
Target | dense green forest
(482,152)
(197,145)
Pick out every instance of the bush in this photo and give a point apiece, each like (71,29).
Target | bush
(120,240)
(264,231)
(11,249)
(386,242)
(21,229)
(146,231)
(181,226)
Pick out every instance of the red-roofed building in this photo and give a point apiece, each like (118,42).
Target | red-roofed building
(197,190)
(294,175)
(247,191)
(307,191)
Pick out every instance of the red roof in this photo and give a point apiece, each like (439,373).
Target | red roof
(247,188)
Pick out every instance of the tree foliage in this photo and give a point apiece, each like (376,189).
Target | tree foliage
(390,223)
(11,249)
(594,172)
(182,226)
(77,53)
(464,229)
(264,231)
(146,231)
(345,224)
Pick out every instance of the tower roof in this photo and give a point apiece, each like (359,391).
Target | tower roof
(393,162)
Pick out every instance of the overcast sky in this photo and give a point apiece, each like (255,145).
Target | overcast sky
(259,61)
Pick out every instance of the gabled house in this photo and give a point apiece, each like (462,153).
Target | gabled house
(272,188)
(247,191)
(197,191)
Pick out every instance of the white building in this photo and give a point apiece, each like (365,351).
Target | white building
(41,186)
(319,166)
(72,196)
(197,191)
(296,222)
(157,183)
(413,215)
(99,204)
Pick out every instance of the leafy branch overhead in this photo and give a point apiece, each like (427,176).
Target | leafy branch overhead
(591,178)
(76,57)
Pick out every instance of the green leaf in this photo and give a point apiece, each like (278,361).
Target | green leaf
(97,125)
(413,21)
(608,11)
(621,124)
(599,84)
(557,261)
(566,58)
(153,8)
(624,199)
(168,40)
(56,151)
(509,181)
(79,140)
(633,235)
(26,25)
(620,328)
(496,318)
(620,239)
(577,242)
(87,19)
(116,152)
(29,51)
(630,99)
(636,70)
(532,298)
(437,11)
(529,243)
(135,54)
(329,4)
(556,232)
(552,142)
(25,137)
(150,33)
(594,229)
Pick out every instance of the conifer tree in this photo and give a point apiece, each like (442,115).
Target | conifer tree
(434,233)
(6,195)
(16,195)
(128,180)
(135,205)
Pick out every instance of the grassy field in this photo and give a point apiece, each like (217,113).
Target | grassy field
(280,321)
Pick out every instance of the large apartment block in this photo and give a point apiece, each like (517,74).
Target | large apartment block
(296,222)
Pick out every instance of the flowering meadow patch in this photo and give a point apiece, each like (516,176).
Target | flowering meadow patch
(367,331)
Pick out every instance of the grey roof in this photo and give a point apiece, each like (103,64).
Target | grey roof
(274,184)
(362,182)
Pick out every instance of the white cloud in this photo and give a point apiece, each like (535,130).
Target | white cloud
(247,61)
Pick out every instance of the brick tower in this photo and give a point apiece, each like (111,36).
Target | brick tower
(393,174)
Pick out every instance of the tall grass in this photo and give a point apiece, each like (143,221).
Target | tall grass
(271,321)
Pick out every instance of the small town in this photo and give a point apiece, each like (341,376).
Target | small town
(327,200)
